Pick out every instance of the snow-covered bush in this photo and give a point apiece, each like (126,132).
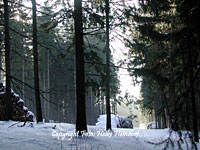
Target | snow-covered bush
(151,125)
(18,111)
(125,122)
(116,121)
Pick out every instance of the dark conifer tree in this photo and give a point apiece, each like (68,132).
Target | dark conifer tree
(35,54)
(81,124)
(108,123)
(7,60)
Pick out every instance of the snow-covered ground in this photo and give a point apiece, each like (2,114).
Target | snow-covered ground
(61,136)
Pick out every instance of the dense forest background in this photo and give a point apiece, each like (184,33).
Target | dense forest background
(56,59)
(164,51)
(162,38)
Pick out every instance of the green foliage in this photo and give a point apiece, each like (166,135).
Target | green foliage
(164,52)
(96,67)
(48,26)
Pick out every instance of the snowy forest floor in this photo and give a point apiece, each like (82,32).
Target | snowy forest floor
(61,136)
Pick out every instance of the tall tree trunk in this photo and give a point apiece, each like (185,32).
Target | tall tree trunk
(108,121)
(186,97)
(81,124)
(92,107)
(164,122)
(36,75)
(192,96)
(44,102)
(0,64)
(48,85)
(22,64)
(102,105)
(7,60)
(156,112)
(73,101)
(57,106)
